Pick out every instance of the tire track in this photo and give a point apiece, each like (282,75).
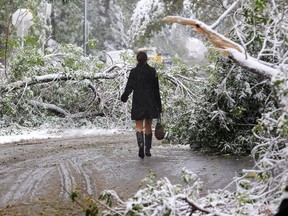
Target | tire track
(86,174)
(65,172)
(66,180)
(25,186)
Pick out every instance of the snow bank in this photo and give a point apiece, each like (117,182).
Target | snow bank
(46,134)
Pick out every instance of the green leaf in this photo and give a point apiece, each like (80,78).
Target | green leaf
(74,195)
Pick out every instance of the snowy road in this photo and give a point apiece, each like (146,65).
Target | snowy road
(35,174)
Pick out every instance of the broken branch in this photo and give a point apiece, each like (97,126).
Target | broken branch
(57,77)
(63,112)
(218,40)
(229,48)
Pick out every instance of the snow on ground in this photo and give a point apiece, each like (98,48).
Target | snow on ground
(45,134)
(66,133)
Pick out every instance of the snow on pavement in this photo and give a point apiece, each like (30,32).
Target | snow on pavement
(46,134)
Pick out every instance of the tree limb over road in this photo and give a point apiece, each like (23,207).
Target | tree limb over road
(235,51)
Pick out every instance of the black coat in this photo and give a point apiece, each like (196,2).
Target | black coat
(146,101)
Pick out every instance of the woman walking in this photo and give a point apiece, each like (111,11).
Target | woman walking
(146,101)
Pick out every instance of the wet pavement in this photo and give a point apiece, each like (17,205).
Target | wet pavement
(40,171)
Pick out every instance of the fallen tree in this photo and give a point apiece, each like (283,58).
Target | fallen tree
(271,151)
(57,77)
(67,85)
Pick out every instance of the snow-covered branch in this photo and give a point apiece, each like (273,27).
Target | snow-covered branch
(224,15)
(229,47)
(251,63)
(52,107)
(180,84)
(63,112)
(217,39)
(58,77)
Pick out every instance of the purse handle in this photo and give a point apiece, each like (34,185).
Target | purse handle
(159,118)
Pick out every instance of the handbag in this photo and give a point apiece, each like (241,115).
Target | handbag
(159,129)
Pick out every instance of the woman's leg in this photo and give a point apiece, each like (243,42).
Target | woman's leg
(140,137)
(148,136)
(139,125)
(148,126)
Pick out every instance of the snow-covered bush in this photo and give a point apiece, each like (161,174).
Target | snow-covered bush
(64,83)
(161,197)
(155,197)
(230,102)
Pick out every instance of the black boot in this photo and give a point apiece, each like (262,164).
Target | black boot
(140,140)
(148,142)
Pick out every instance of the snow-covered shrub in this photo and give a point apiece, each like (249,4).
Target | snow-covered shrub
(179,87)
(161,197)
(156,197)
(36,83)
(222,118)
(271,150)
(27,63)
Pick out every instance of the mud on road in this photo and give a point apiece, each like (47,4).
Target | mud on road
(35,174)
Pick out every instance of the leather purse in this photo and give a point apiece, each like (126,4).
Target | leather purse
(159,129)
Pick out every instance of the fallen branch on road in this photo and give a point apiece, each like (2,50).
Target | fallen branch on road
(63,112)
(57,77)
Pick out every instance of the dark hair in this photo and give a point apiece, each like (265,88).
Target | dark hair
(142,57)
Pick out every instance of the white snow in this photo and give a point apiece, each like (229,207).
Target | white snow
(251,62)
(196,48)
(145,11)
(46,134)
